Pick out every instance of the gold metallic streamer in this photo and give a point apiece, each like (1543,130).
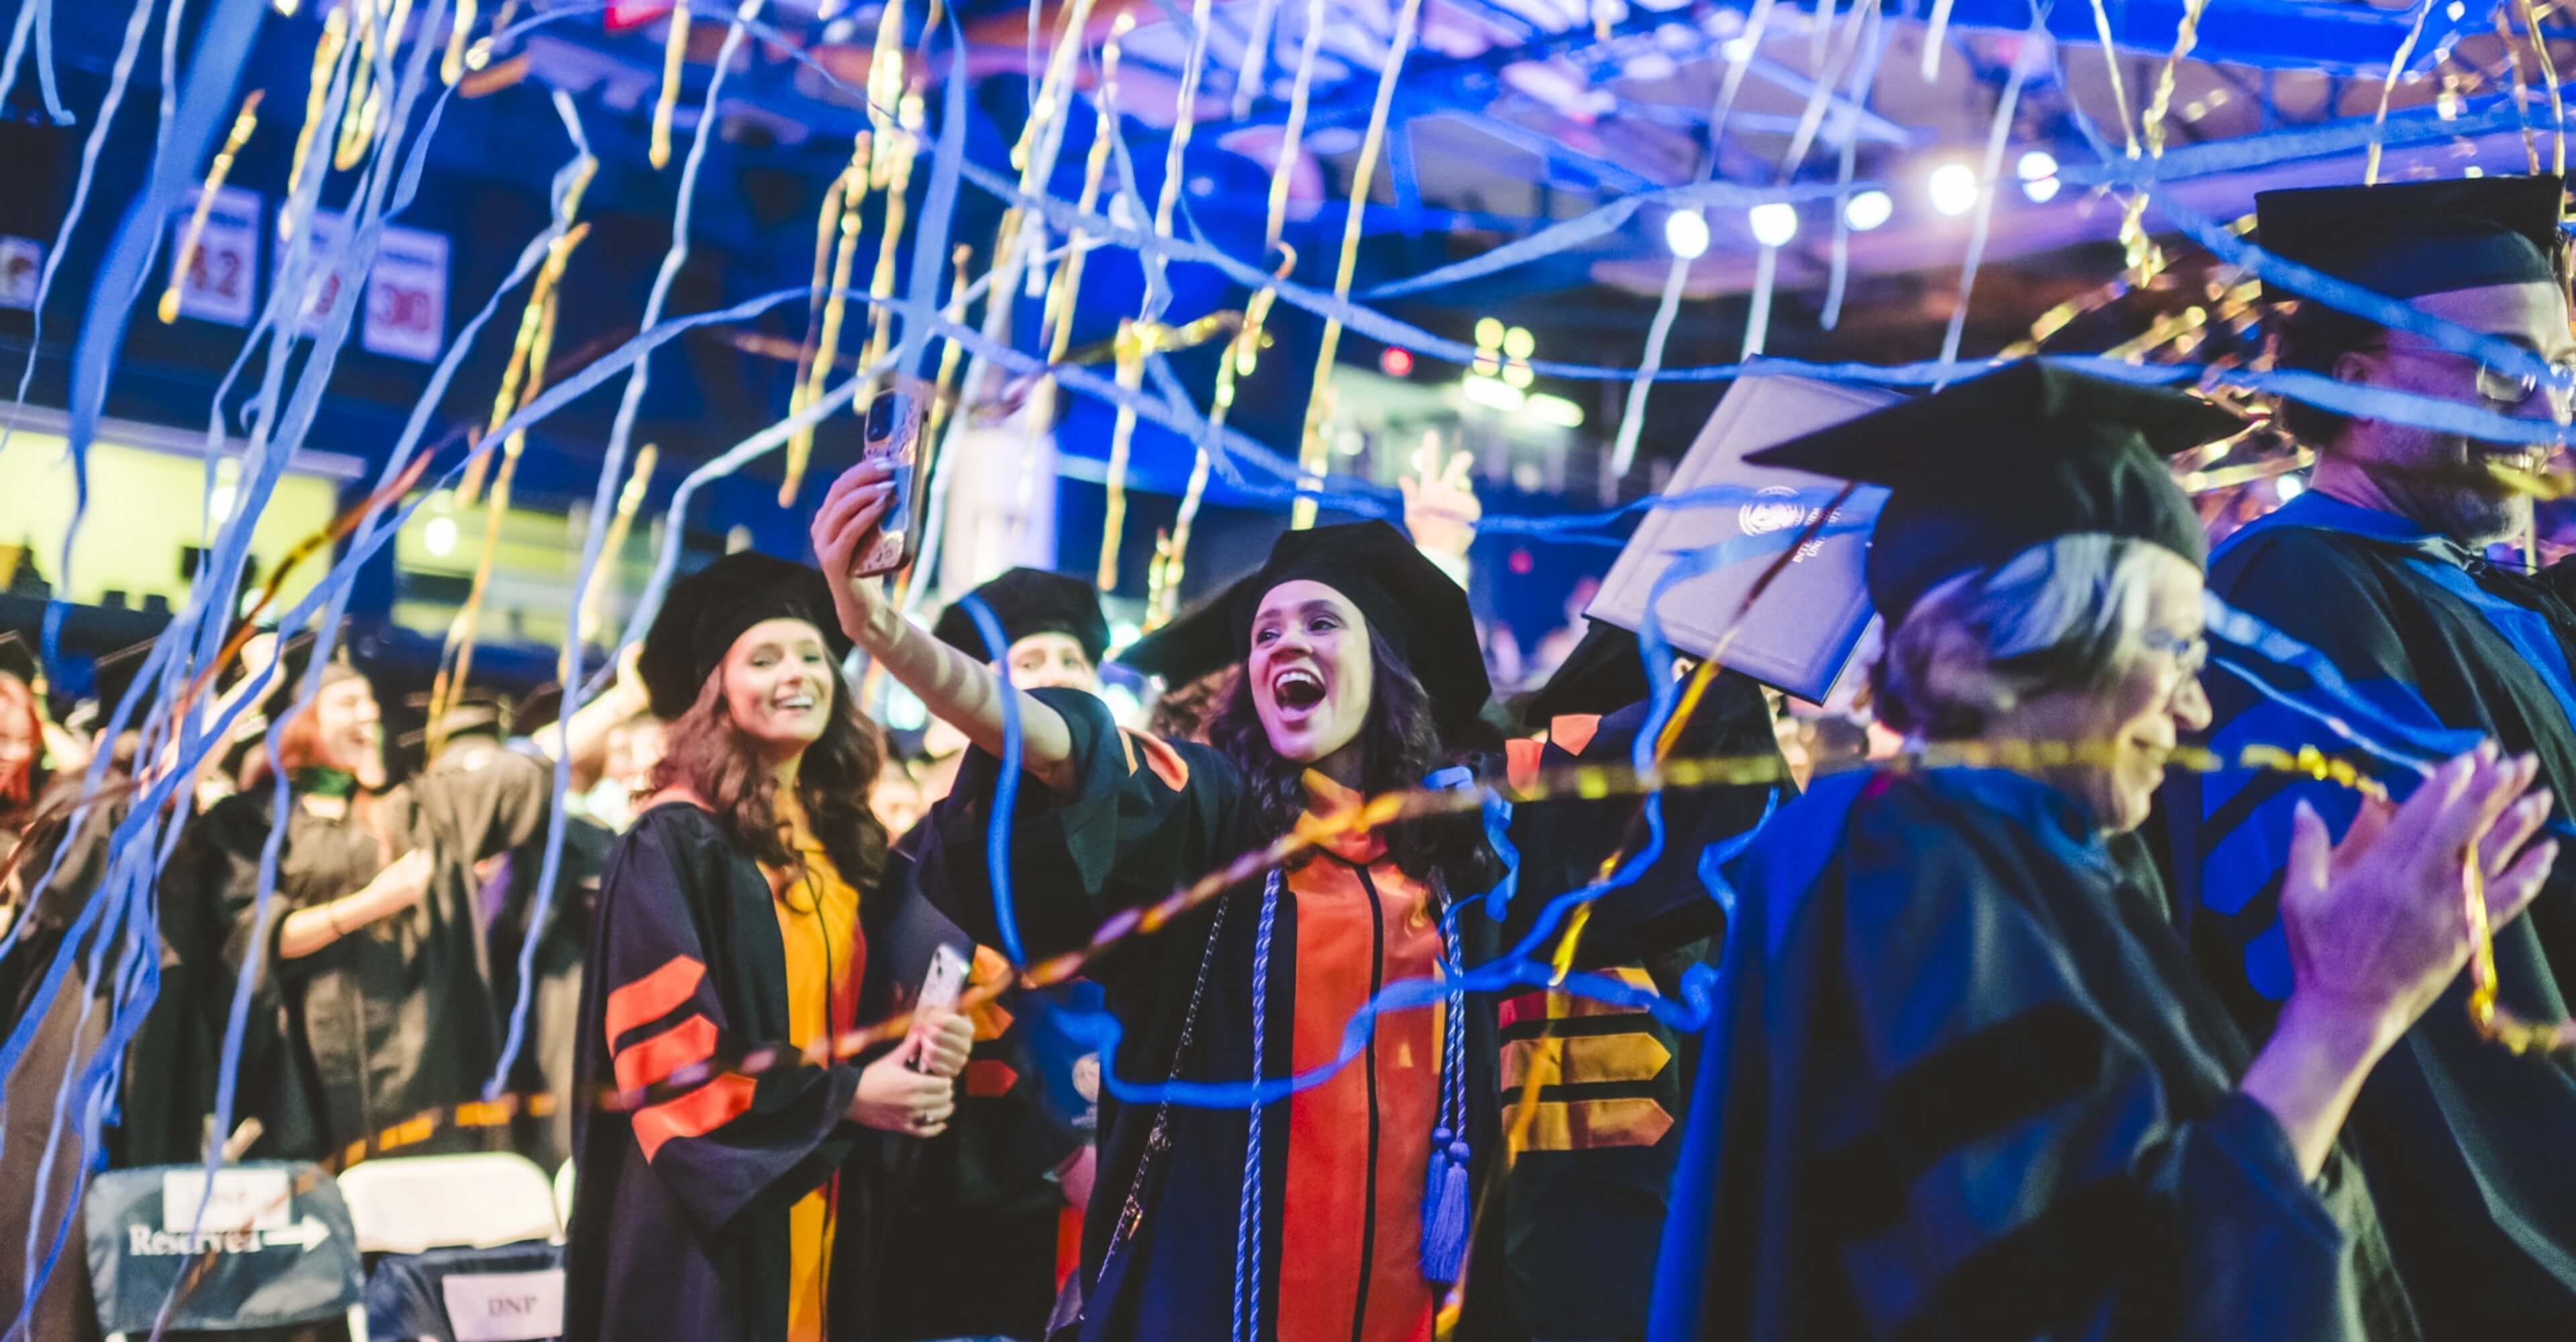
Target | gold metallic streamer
(1310,448)
(526,357)
(675,55)
(2549,80)
(1055,324)
(317,97)
(2521,89)
(2143,257)
(896,153)
(1175,164)
(629,501)
(1131,376)
(365,100)
(1588,782)
(244,122)
(1164,599)
(480,53)
(452,67)
(827,344)
(820,291)
(2387,86)
(456,655)
(2111,67)
(943,392)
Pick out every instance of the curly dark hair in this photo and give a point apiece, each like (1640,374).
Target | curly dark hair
(1400,744)
(1183,712)
(2309,338)
(709,755)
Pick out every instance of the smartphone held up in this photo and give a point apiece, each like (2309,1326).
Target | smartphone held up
(893,436)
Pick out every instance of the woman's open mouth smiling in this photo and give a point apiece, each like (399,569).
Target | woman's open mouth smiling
(1297,690)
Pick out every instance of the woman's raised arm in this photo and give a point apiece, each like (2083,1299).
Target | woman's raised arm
(955,687)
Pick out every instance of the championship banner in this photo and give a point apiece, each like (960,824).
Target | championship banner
(406,315)
(222,274)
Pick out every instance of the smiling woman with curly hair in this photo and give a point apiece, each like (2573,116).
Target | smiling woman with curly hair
(734,919)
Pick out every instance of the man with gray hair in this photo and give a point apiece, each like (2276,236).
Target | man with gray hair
(2381,567)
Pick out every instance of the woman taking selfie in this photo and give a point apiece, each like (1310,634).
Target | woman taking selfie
(1965,1079)
(1361,664)
(734,918)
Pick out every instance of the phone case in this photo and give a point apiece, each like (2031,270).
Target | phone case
(893,547)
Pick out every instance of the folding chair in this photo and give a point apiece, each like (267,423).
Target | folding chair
(470,1247)
(267,1246)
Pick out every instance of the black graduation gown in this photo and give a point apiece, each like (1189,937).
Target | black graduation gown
(548,1050)
(2464,1144)
(1965,1081)
(1570,1251)
(169,1080)
(1123,838)
(73,1027)
(987,1184)
(396,1018)
(690,1239)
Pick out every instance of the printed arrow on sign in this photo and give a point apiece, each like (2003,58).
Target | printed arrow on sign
(303,1234)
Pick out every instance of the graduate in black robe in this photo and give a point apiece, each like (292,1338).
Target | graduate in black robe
(1963,1079)
(2381,568)
(1572,1238)
(373,1002)
(1345,1216)
(742,1200)
(995,1180)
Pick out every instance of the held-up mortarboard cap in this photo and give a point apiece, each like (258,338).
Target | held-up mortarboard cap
(2408,239)
(707,610)
(1405,598)
(1196,642)
(1985,469)
(1027,602)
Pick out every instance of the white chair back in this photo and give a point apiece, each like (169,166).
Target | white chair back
(418,1203)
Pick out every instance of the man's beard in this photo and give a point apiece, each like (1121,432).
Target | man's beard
(2448,488)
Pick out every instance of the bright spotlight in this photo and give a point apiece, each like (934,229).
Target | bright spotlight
(2036,164)
(1686,232)
(2041,190)
(2288,487)
(439,536)
(1867,210)
(1489,333)
(1953,188)
(1774,223)
(1519,343)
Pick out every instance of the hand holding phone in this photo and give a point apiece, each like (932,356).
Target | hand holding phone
(893,436)
(940,990)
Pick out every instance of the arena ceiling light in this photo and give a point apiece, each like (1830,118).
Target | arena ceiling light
(1774,223)
(1867,210)
(2038,173)
(1686,233)
(1953,188)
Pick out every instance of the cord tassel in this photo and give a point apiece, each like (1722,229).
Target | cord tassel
(1444,1210)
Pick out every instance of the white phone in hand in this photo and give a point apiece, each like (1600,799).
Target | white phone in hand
(940,989)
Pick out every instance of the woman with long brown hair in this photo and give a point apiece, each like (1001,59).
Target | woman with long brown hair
(735,918)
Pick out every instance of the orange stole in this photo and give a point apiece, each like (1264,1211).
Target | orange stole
(1332,1225)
